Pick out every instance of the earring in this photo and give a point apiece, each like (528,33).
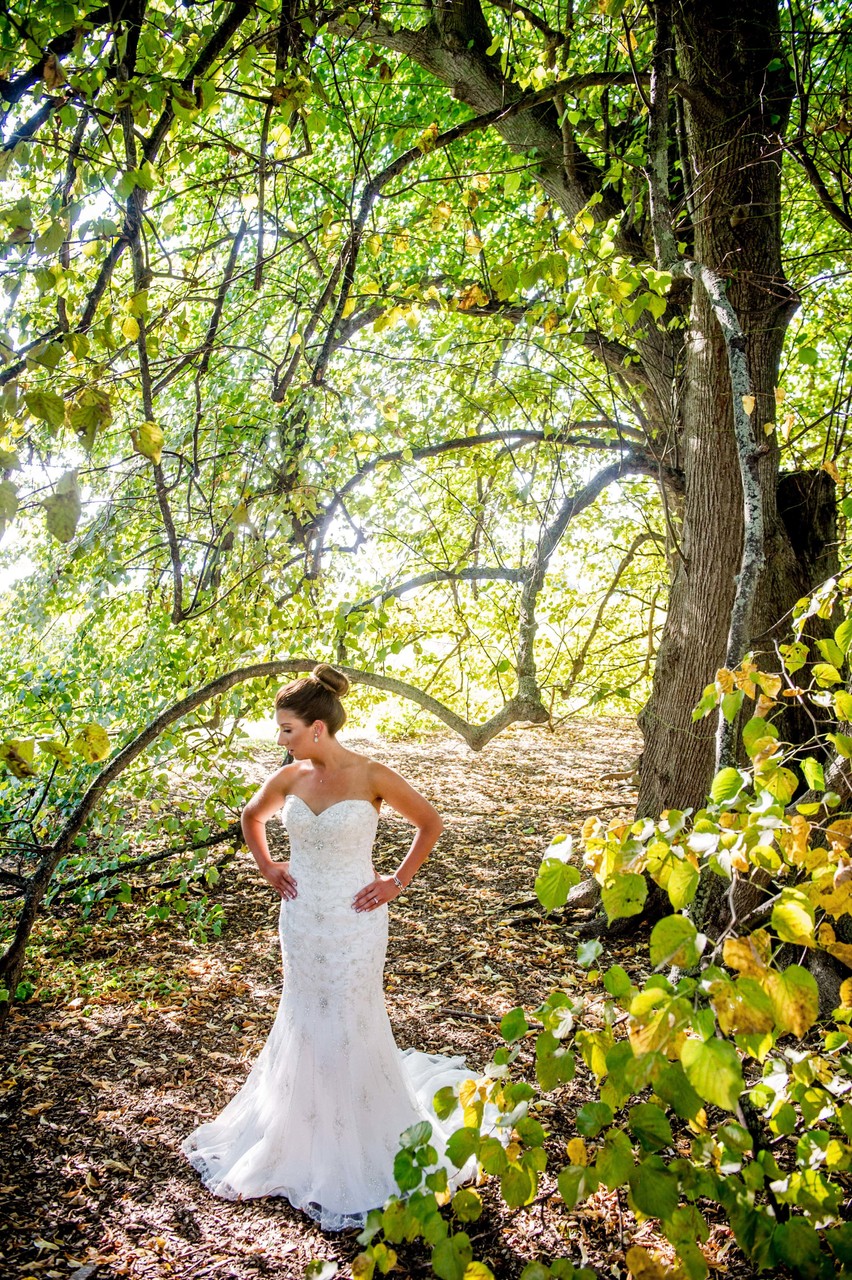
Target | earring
(316,737)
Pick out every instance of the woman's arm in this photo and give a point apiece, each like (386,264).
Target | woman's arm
(402,797)
(263,804)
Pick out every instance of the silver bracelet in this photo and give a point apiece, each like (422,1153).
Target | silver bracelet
(397,881)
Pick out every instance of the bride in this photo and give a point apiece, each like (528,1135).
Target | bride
(319,1118)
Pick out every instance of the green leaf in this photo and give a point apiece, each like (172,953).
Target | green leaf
(588,952)
(617,982)
(416,1134)
(794,655)
(624,895)
(714,1071)
(8,504)
(674,941)
(654,1188)
(445,1102)
(793,917)
(450,1257)
(592,1118)
(406,1171)
(755,730)
(89,413)
(492,1155)
(797,1245)
(650,1125)
(554,1063)
(461,1145)
(466,1205)
(615,1159)
(731,703)
(825,674)
(672,1087)
(812,769)
(514,1025)
(47,406)
(63,507)
(554,882)
(727,785)
(577,1182)
(517,1186)
(843,705)
(843,635)
(831,651)
(843,744)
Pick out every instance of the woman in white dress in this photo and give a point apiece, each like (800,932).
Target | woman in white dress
(319,1118)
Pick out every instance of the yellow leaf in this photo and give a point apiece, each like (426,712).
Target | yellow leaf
(831,467)
(643,1266)
(472,243)
(841,951)
(840,832)
(787,425)
(747,955)
(52,72)
(148,440)
(475,296)
(794,843)
(467,1092)
(428,138)
(846,993)
(780,395)
(577,1153)
(17,755)
(770,683)
(724,680)
(763,705)
(295,340)
(91,742)
(130,328)
(768,428)
(748,404)
(348,308)
(795,998)
(441,215)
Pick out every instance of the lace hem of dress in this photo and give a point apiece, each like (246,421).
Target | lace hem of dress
(326,1219)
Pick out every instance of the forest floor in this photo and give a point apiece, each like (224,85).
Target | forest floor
(136,1033)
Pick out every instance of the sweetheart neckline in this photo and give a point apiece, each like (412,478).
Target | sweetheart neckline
(291,795)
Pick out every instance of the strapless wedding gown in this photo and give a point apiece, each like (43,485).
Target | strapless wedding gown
(319,1118)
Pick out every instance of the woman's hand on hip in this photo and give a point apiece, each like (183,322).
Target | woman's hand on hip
(376,894)
(278,875)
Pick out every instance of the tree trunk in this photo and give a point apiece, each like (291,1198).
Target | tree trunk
(734,105)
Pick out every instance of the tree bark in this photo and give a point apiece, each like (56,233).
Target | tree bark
(734,105)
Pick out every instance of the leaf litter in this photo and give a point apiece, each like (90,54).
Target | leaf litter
(98,1089)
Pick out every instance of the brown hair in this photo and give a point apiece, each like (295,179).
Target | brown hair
(316,697)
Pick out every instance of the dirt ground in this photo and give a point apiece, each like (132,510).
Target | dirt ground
(98,1090)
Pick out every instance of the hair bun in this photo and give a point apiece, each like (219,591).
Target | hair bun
(330,678)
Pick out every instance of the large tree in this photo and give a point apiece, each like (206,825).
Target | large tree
(393,332)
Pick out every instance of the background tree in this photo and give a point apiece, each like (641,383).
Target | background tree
(434,340)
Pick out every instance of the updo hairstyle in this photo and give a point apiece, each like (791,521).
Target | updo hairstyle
(316,697)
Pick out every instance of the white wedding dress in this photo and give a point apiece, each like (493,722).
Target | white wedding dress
(319,1118)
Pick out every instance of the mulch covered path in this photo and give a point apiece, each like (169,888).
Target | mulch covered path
(101,1082)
